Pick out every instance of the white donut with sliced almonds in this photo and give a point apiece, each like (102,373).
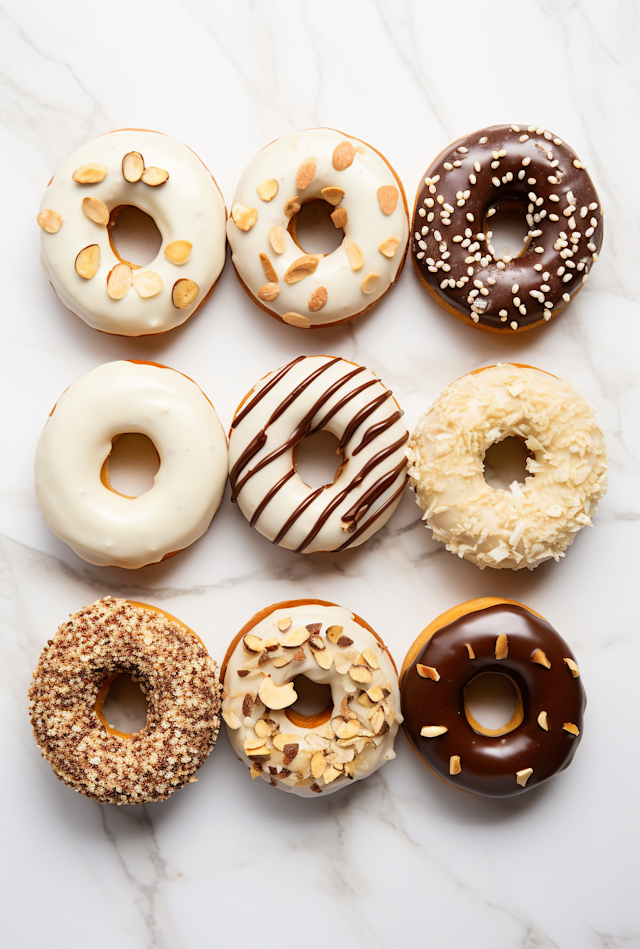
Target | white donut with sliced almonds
(309,755)
(369,206)
(166,180)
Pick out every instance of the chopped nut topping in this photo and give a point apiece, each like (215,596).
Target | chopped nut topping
(523,776)
(90,173)
(472,654)
(317,299)
(295,638)
(360,674)
(255,748)
(305,174)
(332,195)
(277,239)
(302,267)
(256,770)
(347,729)
(292,206)
(389,247)
(377,720)
(119,281)
(318,765)
(323,657)
(364,699)
(299,656)
(248,702)
(575,672)
(427,672)
(50,221)
(271,644)
(432,731)
(231,719)
(147,283)
(178,252)
(296,319)
(290,751)
(343,155)
(269,272)
(284,623)
(96,210)
(276,697)
(502,646)
(154,176)
(132,166)
(334,633)
(268,292)
(571,728)
(376,694)
(388,198)
(539,656)
(542,721)
(282,661)
(454,764)
(370,282)
(268,189)
(88,261)
(354,254)
(184,293)
(252,644)
(370,658)
(345,709)
(244,217)
(262,729)
(282,739)
(339,217)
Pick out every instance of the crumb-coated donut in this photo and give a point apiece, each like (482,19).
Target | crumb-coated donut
(528,523)
(506,167)
(497,636)
(320,753)
(70,683)
(166,180)
(370,208)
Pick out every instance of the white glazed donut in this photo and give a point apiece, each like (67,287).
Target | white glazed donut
(71,478)
(530,522)
(310,754)
(312,290)
(187,208)
(310,394)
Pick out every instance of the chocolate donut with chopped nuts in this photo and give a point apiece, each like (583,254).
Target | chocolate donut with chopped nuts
(499,636)
(506,167)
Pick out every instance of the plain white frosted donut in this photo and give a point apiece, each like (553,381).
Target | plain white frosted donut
(187,207)
(287,164)
(309,394)
(107,528)
(354,741)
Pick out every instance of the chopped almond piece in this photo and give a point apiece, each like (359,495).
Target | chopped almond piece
(454,764)
(427,672)
(154,176)
(302,267)
(389,247)
(571,728)
(575,672)
(432,731)
(267,189)
(147,283)
(370,283)
(119,281)
(318,765)
(178,252)
(332,195)
(277,239)
(343,155)
(274,696)
(244,217)
(388,198)
(88,261)
(502,646)
(184,293)
(539,656)
(354,254)
(96,210)
(339,217)
(269,272)
(542,721)
(90,174)
(231,719)
(252,644)
(268,292)
(334,633)
(132,166)
(472,654)
(292,206)
(284,623)
(305,174)
(50,221)
(523,776)
(318,299)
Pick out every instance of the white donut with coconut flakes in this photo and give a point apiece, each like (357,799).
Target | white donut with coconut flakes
(72,488)
(166,180)
(314,290)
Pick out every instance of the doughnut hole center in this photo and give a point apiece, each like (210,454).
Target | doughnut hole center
(506,462)
(313,230)
(493,704)
(131,467)
(122,705)
(134,236)
(507,232)
(317,459)
(314,704)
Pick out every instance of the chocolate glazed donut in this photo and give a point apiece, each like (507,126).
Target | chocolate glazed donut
(498,636)
(506,167)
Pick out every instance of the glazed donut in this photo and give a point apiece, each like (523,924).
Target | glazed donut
(315,290)
(72,679)
(505,637)
(506,167)
(530,522)
(310,394)
(81,203)
(310,754)
(71,465)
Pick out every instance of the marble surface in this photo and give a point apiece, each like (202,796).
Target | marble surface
(401,858)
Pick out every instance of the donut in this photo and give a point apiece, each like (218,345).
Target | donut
(328,644)
(506,167)
(316,290)
(71,465)
(308,395)
(567,468)
(72,679)
(166,180)
(499,636)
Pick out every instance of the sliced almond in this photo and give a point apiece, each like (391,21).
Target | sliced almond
(255,748)
(571,728)
(305,174)
(347,729)
(269,272)
(88,261)
(295,638)
(147,283)
(354,254)
(90,173)
(132,166)
(334,633)
(318,765)
(300,655)
(268,292)
(296,319)
(302,267)
(454,764)
(502,646)
(267,189)
(252,644)
(178,252)
(317,742)
(541,658)
(375,693)
(339,217)
(277,239)
(184,293)
(370,283)
(154,176)
(262,729)
(119,281)
(432,731)
(343,662)
(276,697)
(292,206)
(289,752)
(317,299)
(231,719)
(323,658)
(389,247)
(331,774)
(49,221)
(256,770)
(96,210)
(281,661)
(388,198)
(271,644)
(244,217)
(282,739)
(427,672)
(343,155)
(542,721)
(361,674)
(363,699)
(284,623)
(378,720)
(472,654)
(370,658)
(345,709)
(575,672)
(332,195)
(523,776)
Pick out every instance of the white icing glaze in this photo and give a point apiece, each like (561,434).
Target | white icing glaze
(371,750)
(367,225)
(530,522)
(107,528)
(188,207)
(333,381)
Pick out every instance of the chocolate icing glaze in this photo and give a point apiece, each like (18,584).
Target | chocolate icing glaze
(453,194)
(489,764)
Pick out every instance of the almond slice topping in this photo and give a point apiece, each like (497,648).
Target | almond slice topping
(354,254)
(318,299)
(88,261)
(502,646)
(269,272)
(49,221)
(523,776)
(90,173)
(332,195)
(261,729)
(318,765)
(178,252)
(334,633)
(375,693)
(323,657)
(432,731)
(96,210)
(542,721)
(339,217)
(343,155)
(282,661)
(132,166)
(291,206)
(231,719)
(147,283)
(244,217)
(284,623)
(154,176)
(571,728)
(282,739)
(268,292)
(454,764)
(305,174)
(348,729)
(389,247)
(472,654)
(370,282)
(302,267)
(295,638)
(539,656)
(255,748)
(289,752)
(428,672)
(274,696)
(184,293)
(277,239)
(370,658)
(267,189)
(361,674)
(575,672)
(388,198)
(330,775)
(119,281)
(252,644)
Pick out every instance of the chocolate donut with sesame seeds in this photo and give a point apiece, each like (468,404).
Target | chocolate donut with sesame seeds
(510,168)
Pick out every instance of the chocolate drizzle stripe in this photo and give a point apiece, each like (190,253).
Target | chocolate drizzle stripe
(284,405)
(252,449)
(364,503)
(360,417)
(376,430)
(296,514)
(269,496)
(264,390)
(374,517)
(340,405)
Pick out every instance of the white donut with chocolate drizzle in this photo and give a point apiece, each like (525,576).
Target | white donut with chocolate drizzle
(310,394)
(312,290)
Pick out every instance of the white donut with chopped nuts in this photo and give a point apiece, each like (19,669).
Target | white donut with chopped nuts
(528,523)
(315,754)
(369,206)
(166,180)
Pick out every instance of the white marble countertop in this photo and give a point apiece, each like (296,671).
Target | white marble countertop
(401,858)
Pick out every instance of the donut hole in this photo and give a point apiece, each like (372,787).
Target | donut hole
(131,467)
(314,458)
(313,230)
(314,705)
(506,462)
(122,705)
(507,232)
(134,236)
(493,704)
